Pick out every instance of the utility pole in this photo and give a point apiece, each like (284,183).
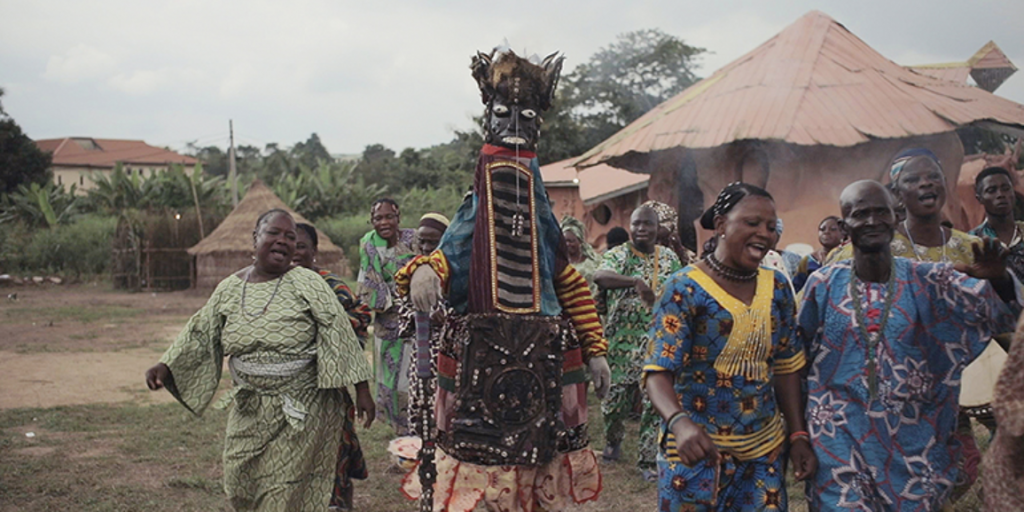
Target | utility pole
(232,175)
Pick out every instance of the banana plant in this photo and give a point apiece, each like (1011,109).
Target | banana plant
(39,205)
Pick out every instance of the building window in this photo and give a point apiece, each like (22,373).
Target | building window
(602,214)
(81,179)
(59,180)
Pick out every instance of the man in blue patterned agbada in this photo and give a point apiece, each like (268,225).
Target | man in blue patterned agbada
(888,338)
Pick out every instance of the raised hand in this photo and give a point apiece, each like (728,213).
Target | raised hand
(989,260)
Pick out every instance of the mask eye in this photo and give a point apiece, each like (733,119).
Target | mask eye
(529,113)
(500,110)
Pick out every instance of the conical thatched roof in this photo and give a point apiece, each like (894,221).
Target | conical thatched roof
(235,233)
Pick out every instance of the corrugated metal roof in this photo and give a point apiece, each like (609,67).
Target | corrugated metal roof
(813,83)
(956,73)
(90,152)
(560,173)
(598,183)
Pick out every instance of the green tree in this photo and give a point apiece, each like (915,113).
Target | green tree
(21,161)
(617,85)
(328,190)
(214,159)
(311,152)
(443,165)
(176,190)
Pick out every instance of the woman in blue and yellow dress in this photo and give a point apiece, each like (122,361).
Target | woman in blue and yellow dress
(723,370)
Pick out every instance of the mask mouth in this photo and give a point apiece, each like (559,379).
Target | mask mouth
(518,141)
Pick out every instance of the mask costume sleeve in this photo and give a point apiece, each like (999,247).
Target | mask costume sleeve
(574,296)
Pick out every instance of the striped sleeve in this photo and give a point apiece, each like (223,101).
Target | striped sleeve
(436,260)
(574,296)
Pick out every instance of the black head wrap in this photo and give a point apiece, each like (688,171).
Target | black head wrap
(727,199)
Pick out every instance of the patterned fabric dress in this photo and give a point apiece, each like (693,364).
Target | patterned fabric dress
(724,355)
(351,464)
(1004,460)
(628,323)
(392,354)
(1016,259)
(898,451)
(288,365)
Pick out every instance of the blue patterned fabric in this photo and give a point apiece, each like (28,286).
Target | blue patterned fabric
(691,328)
(745,486)
(896,452)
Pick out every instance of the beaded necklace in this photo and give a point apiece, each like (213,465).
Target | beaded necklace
(728,272)
(862,322)
(271,299)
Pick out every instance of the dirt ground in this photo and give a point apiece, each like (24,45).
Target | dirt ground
(76,431)
(84,344)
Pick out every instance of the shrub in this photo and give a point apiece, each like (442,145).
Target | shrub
(74,249)
(345,231)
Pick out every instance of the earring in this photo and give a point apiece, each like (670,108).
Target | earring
(254,257)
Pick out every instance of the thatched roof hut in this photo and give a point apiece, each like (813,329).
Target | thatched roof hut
(229,247)
(806,113)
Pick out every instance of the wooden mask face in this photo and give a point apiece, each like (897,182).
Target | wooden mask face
(515,92)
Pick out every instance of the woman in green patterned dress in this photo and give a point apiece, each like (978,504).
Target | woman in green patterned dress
(291,350)
(581,253)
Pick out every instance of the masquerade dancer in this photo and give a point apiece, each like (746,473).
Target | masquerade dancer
(511,401)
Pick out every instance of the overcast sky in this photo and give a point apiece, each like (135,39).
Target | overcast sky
(390,72)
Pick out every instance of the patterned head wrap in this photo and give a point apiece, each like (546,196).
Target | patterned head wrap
(727,199)
(667,216)
(434,220)
(573,225)
(904,157)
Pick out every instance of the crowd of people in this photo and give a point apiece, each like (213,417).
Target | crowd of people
(845,365)
(853,379)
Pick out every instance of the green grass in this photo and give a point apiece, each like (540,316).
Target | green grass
(83,314)
(101,458)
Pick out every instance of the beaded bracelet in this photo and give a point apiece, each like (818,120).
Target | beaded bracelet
(800,434)
(667,427)
(673,419)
